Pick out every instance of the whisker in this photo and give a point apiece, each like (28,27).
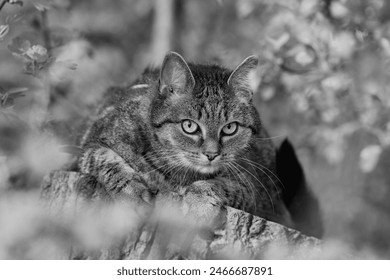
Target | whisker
(262,185)
(269,177)
(269,138)
(177,169)
(187,169)
(248,184)
(232,171)
(159,168)
(260,166)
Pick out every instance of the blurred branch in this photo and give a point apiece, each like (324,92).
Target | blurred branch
(169,21)
(2,4)
(179,25)
(46,31)
(47,43)
(163,26)
(13,2)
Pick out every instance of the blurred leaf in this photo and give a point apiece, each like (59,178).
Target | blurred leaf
(16,2)
(14,91)
(19,46)
(245,8)
(267,93)
(14,18)
(335,82)
(33,67)
(279,42)
(37,53)
(369,157)
(299,59)
(308,7)
(385,44)
(342,45)
(42,5)
(7,98)
(338,10)
(4,29)
(73,150)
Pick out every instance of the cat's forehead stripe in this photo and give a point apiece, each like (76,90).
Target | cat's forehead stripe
(221,112)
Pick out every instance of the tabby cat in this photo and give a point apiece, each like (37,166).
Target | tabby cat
(186,125)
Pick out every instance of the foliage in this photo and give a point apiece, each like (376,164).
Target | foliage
(324,78)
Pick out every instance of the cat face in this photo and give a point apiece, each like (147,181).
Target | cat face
(202,117)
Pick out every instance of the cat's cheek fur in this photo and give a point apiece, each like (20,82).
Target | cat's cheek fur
(165,137)
(171,136)
(238,141)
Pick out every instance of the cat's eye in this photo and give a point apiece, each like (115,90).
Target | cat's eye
(230,128)
(189,126)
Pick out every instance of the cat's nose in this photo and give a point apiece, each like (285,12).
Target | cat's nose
(211,156)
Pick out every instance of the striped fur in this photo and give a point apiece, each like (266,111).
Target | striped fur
(136,144)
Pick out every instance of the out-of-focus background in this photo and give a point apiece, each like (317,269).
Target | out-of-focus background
(324,85)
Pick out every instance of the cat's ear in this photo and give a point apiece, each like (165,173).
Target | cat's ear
(243,78)
(175,76)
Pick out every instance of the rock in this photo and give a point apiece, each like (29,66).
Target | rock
(170,232)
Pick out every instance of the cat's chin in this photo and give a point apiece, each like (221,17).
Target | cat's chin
(207,170)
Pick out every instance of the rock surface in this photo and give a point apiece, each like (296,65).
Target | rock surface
(169,232)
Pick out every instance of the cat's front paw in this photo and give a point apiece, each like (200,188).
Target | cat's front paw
(137,193)
(203,201)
